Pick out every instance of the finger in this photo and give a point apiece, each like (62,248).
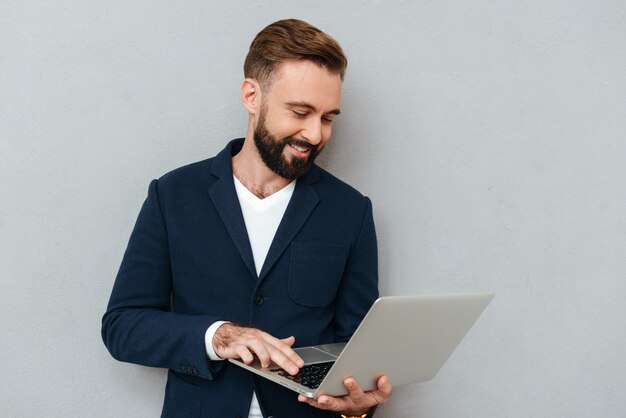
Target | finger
(270,349)
(289,340)
(307,400)
(244,354)
(355,395)
(382,392)
(261,349)
(325,402)
(354,390)
(384,385)
(292,355)
(283,361)
(331,403)
(284,353)
(356,399)
(338,404)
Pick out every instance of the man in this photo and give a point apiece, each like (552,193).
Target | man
(254,250)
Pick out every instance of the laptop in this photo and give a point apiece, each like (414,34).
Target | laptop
(407,338)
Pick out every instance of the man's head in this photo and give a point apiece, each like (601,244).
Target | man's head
(292,89)
(291,40)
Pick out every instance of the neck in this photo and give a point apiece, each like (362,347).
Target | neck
(252,172)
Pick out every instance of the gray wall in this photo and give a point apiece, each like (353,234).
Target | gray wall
(490,136)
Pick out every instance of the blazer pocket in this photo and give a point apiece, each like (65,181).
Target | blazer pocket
(315,272)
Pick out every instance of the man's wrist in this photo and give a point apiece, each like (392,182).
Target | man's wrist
(208,340)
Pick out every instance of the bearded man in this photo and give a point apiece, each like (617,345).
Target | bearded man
(253,251)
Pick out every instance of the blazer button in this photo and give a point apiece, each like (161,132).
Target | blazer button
(259,300)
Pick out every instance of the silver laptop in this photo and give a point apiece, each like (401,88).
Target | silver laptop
(407,338)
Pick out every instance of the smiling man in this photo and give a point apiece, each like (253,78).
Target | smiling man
(253,251)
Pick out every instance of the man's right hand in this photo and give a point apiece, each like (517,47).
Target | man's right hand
(232,341)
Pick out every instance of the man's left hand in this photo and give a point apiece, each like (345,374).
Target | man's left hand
(356,402)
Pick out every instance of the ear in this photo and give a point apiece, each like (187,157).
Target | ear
(251,95)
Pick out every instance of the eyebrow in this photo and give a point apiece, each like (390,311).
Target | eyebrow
(311,107)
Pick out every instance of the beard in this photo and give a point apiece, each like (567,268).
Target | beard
(271,151)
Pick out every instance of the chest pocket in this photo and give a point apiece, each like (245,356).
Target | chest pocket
(315,272)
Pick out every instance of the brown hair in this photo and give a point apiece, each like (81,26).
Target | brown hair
(291,39)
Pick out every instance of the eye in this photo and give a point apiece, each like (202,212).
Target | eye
(299,114)
(327,120)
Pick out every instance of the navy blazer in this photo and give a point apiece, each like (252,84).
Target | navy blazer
(189,263)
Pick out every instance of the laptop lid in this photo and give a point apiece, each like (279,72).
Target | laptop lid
(407,338)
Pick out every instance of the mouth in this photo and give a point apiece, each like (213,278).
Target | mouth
(300,150)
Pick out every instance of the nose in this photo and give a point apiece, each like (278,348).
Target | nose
(312,131)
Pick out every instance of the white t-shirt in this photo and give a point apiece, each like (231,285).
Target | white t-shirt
(262,218)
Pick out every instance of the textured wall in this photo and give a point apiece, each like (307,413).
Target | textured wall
(490,136)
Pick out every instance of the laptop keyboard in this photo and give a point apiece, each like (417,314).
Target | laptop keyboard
(310,375)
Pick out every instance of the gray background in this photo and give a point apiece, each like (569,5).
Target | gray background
(490,136)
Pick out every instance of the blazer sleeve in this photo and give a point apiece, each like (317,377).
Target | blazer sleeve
(359,286)
(139,326)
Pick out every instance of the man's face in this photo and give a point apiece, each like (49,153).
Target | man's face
(294,122)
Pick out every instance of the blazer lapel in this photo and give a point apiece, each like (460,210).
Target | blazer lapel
(302,203)
(224,197)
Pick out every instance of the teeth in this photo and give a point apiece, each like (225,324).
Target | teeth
(299,148)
